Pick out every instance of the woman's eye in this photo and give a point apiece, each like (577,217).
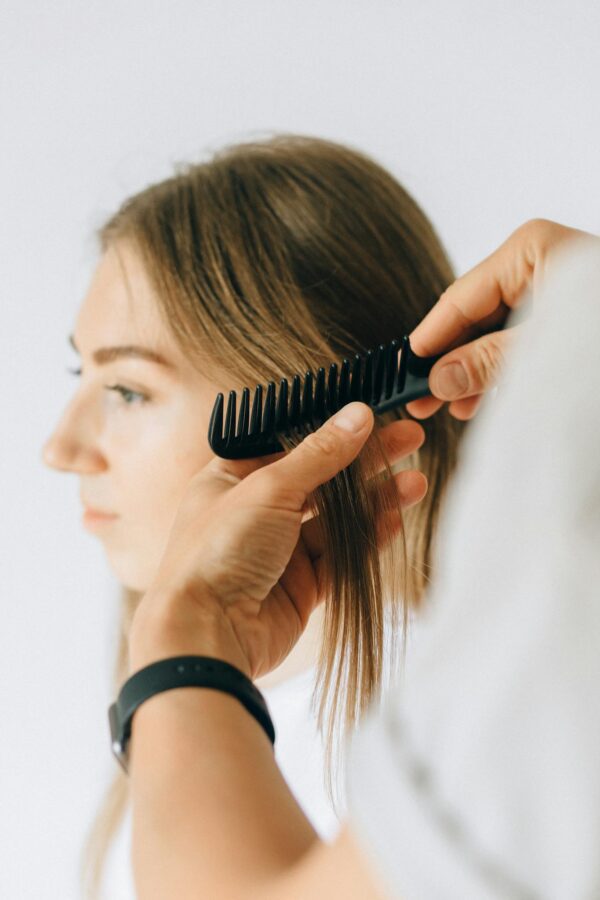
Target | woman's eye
(130,397)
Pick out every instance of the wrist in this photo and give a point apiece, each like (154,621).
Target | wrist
(171,624)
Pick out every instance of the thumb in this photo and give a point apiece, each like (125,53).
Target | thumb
(473,368)
(323,453)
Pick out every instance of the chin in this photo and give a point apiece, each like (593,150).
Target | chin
(130,576)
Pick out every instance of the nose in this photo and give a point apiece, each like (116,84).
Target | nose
(73,446)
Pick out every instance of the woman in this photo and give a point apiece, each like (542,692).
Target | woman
(269,259)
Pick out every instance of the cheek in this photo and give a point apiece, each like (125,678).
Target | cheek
(158,480)
(151,463)
(153,477)
(158,453)
(151,492)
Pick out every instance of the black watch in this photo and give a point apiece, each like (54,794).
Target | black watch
(181,671)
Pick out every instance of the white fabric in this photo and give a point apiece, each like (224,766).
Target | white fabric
(300,752)
(479,776)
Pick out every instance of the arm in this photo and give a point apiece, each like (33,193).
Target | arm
(212,814)
(238,581)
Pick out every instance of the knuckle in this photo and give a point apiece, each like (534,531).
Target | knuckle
(488,362)
(538,233)
(448,299)
(534,228)
(536,224)
(268,486)
(323,442)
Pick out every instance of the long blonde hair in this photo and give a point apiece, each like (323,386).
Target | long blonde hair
(274,257)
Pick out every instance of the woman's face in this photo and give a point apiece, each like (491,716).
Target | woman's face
(134,449)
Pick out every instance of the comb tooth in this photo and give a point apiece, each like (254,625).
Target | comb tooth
(294,417)
(332,389)
(380,358)
(367,388)
(307,398)
(320,411)
(256,414)
(401,379)
(242,430)
(215,428)
(281,416)
(355,382)
(344,385)
(269,413)
(230,417)
(391,368)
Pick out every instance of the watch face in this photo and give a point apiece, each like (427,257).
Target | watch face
(117,743)
(121,755)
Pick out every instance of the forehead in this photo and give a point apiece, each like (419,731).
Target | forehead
(121,307)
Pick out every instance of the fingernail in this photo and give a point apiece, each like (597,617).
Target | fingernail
(450,382)
(352,417)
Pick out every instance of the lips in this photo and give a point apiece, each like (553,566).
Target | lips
(94,510)
(95,520)
(99,513)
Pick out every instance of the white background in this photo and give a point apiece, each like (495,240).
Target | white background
(488,112)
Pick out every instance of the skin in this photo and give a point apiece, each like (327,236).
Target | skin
(211,810)
(134,457)
(135,454)
(240,577)
(210,806)
(466,318)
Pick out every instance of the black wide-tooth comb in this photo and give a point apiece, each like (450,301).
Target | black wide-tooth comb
(375,379)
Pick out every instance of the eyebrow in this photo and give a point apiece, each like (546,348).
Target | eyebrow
(105,355)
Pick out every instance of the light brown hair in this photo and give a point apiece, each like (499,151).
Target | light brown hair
(275,257)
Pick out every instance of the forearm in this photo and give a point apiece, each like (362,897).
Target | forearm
(212,814)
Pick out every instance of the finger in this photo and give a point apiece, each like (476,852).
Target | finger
(400,439)
(390,521)
(317,459)
(466,408)
(472,368)
(406,488)
(460,409)
(424,407)
(482,298)
(235,470)
(219,475)
(454,321)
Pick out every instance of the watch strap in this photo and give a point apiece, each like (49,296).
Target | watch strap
(176,672)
